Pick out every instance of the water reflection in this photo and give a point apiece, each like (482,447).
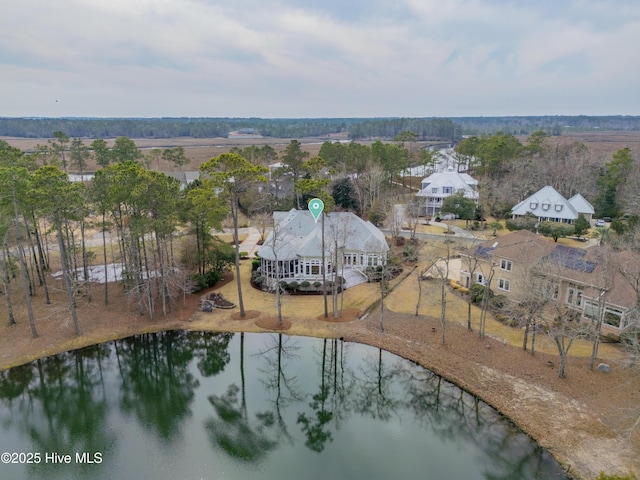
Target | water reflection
(157,385)
(202,405)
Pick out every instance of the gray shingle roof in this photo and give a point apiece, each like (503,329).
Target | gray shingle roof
(546,202)
(299,235)
(581,205)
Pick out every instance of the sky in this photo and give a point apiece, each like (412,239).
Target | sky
(319,58)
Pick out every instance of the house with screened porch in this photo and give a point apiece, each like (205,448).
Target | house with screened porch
(292,252)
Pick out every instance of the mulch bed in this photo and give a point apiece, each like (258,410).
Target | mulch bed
(271,323)
(348,315)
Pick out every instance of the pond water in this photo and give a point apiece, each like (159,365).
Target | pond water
(191,405)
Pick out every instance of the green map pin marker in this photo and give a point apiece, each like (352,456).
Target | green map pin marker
(315,207)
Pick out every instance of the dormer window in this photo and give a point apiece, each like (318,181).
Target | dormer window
(558,207)
(434,190)
(533,205)
(545,206)
(446,189)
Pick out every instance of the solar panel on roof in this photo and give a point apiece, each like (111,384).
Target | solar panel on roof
(484,251)
(572,258)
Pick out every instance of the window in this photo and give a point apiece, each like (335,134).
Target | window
(545,206)
(558,208)
(506,264)
(590,310)
(504,284)
(434,190)
(480,278)
(446,189)
(613,317)
(533,205)
(574,295)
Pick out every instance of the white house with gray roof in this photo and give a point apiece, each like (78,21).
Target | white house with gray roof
(582,206)
(293,249)
(440,185)
(548,205)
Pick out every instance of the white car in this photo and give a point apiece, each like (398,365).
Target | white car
(600,223)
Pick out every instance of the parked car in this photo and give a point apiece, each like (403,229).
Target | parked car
(600,222)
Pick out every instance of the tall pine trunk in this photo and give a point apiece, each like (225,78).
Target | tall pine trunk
(41,260)
(234,214)
(104,253)
(23,268)
(5,282)
(66,274)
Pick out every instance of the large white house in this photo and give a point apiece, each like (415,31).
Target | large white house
(548,205)
(293,249)
(440,185)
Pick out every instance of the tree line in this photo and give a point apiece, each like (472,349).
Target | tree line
(445,129)
(509,170)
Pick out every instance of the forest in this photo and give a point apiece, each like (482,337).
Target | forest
(444,129)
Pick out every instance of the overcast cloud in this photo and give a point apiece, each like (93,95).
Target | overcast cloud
(319,58)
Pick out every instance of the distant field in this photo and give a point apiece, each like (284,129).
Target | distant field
(601,144)
(199,150)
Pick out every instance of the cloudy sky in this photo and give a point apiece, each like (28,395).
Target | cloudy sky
(319,58)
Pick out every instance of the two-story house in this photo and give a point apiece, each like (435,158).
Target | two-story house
(589,281)
(440,185)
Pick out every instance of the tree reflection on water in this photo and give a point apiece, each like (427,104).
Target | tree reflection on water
(266,396)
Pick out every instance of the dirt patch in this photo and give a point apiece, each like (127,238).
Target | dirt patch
(248,315)
(271,323)
(348,315)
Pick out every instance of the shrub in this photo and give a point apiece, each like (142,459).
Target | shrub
(498,301)
(410,253)
(604,476)
(292,285)
(209,279)
(528,222)
(377,214)
(199,282)
(305,284)
(464,290)
(477,293)
(255,264)
(555,230)
(317,284)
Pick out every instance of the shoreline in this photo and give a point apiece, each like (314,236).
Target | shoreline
(574,419)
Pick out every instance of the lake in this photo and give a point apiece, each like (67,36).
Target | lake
(193,405)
